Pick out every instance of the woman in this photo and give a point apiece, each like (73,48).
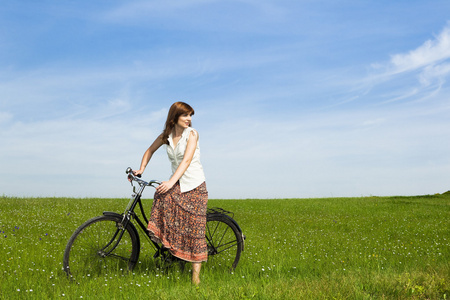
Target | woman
(178,217)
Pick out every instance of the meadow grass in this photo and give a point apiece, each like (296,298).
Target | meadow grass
(334,248)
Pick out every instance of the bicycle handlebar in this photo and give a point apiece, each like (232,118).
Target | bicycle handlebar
(136,178)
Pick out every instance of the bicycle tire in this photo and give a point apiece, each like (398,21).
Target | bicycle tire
(225,242)
(93,250)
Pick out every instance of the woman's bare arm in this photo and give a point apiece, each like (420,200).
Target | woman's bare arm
(148,155)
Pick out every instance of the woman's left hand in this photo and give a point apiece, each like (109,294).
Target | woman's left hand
(164,187)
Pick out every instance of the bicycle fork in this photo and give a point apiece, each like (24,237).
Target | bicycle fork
(114,242)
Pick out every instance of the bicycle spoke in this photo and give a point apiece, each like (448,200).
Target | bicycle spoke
(223,236)
(120,257)
(224,242)
(233,244)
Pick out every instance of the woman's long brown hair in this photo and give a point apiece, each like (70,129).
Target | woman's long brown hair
(176,110)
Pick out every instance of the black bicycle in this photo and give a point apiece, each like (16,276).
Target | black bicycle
(111,242)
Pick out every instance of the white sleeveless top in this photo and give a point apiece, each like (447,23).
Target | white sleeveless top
(194,175)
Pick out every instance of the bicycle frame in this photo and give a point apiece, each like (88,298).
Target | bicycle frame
(129,213)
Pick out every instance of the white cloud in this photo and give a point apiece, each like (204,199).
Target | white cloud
(418,75)
(431,52)
(434,72)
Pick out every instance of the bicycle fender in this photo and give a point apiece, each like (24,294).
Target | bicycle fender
(229,218)
(110,213)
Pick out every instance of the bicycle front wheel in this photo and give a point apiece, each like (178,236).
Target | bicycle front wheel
(225,242)
(100,246)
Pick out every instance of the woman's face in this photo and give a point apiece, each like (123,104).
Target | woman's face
(184,120)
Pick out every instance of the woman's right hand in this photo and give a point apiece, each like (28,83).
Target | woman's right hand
(138,172)
(135,173)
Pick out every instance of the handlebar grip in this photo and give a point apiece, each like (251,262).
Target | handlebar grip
(129,171)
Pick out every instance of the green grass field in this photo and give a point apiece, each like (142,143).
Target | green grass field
(340,248)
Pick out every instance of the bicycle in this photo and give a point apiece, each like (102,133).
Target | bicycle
(111,242)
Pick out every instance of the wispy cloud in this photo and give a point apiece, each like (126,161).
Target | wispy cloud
(429,59)
(430,53)
(413,76)
(203,16)
(139,9)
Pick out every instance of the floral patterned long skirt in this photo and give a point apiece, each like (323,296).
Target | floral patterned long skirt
(178,221)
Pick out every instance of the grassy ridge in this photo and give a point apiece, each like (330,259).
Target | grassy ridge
(342,248)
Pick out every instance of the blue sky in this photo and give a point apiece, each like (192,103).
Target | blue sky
(292,98)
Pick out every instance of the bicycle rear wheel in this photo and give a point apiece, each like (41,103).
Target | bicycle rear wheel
(101,245)
(225,242)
